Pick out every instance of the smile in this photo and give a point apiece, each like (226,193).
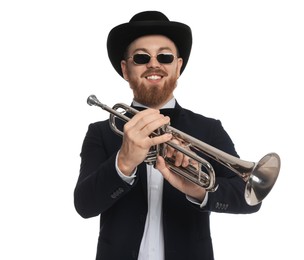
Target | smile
(154,77)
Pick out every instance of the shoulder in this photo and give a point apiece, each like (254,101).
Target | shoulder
(205,128)
(191,118)
(99,129)
(193,115)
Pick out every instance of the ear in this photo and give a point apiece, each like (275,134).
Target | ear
(123,66)
(179,65)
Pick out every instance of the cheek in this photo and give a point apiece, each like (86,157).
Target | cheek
(134,72)
(136,75)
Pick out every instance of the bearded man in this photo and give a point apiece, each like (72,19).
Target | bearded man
(147,211)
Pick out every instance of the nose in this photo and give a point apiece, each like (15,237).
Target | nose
(153,62)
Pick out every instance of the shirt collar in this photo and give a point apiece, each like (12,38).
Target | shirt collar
(169,104)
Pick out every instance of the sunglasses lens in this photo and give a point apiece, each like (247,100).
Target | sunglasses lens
(141,58)
(165,58)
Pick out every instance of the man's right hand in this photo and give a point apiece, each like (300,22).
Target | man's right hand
(137,138)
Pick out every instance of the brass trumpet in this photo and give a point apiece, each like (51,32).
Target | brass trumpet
(260,177)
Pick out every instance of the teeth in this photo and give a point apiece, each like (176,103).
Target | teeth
(153,77)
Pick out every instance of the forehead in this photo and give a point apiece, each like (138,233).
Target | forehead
(152,43)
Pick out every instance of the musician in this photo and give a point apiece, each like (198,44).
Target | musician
(149,212)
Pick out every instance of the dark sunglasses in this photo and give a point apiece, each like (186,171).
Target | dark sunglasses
(144,58)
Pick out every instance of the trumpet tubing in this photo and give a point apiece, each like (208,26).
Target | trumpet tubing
(260,177)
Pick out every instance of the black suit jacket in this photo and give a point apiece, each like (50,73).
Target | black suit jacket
(123,208)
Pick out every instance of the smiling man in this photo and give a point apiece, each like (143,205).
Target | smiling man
(149,212)
(152,80)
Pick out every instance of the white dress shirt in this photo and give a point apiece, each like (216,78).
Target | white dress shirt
(152,244)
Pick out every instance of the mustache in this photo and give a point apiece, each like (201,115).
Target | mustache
(151,71)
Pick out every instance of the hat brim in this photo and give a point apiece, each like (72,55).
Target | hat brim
(122,35)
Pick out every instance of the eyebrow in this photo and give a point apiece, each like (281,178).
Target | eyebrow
(145,50)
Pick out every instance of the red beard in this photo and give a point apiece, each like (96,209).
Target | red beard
(153,95)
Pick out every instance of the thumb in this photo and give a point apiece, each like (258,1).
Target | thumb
(162,167)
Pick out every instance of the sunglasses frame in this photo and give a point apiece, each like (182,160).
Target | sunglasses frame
(150,56)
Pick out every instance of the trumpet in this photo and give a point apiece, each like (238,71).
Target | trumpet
(260,176)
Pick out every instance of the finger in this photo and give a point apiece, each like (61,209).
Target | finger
(153,123)
(171,151)
(180,182)
(146,123)
(160,139)
(179,157)
(137,118)
(162,167)
(174,179)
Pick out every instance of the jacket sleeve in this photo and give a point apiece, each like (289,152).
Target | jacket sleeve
(229,196)
(98,186)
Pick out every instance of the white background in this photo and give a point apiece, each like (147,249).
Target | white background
(246,69)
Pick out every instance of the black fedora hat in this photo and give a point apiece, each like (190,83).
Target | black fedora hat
(148,23)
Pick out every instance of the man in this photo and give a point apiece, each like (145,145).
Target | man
(149,212)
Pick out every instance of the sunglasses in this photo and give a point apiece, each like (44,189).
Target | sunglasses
(144,58)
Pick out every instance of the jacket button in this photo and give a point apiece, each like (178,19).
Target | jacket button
(116,193)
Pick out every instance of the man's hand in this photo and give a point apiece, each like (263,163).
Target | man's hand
(137,138)
(177,181)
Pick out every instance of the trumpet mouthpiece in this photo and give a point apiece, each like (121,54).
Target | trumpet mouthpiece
(92,100)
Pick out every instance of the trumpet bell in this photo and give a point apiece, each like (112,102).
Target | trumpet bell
(262,178)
